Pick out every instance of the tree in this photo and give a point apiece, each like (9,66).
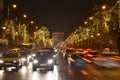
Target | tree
(42,37)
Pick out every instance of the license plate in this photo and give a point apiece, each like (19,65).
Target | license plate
(42,64)
(8,63)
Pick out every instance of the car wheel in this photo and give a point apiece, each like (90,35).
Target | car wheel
(0,68)
(55,62)
(72,64)
(34,68)
(21,66)
(66,57)
(52,68)
(17,68)
(4,68)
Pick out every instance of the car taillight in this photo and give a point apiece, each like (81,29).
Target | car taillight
(99,58)
(117,59)
(87,60)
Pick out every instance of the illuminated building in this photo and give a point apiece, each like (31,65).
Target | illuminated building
(58,38)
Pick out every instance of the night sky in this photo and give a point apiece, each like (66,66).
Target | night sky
(57,15)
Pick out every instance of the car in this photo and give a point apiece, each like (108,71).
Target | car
(24,58)
(11,58)
(43,59)
(89,53)
(68,52)
(78,60)
(52,52)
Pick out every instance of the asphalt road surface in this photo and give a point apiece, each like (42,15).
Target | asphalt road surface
(62,71)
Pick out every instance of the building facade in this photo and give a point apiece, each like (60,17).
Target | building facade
(58,38)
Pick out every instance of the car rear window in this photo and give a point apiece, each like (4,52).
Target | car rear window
(10,55)
(44,54)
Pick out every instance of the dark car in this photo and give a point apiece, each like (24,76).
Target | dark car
(43,59)
(52,51)
(68,52)
(77,60)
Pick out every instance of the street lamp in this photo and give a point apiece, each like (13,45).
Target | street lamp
(98,40)
(8,9)
(36,27)
(92,36)
(85,22)
(98,34)
(14,6)
(24,16)
(3,31)
(4,28)
(103,7)
(91,18)
(31,22)
(23,19)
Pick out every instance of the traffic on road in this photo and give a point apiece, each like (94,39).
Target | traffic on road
(74,66)
(59,39)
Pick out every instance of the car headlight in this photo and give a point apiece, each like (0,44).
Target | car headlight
(35,61)
(23,59)
(54,55)
(14,61)
(29,56)
(33,55)
(56,50)
(1,61)
(50,61)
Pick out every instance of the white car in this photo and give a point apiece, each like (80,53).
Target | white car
(11,59)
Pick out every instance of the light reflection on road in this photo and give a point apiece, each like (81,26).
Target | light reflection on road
(1,72)
(26,73)
(62,71)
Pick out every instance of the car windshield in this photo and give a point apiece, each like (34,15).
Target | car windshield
(44,54)
(10,55)
(48,49)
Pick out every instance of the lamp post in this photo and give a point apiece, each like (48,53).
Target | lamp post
(3,31)
(14,6)
(119,27)
(118,14)
(103,7)
(98,40)
(31,22)
(23,19)
(16,38)
(24,16)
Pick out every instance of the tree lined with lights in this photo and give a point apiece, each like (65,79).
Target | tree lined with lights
(42,37)
(101,30)
(15,33)
(18,29)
